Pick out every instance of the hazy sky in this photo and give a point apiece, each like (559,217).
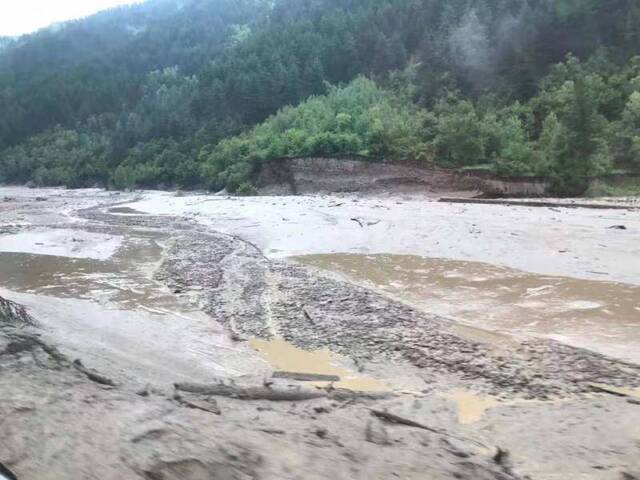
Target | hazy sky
(25,16)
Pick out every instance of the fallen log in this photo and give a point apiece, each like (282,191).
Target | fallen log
(611,390)
(534,203)
(306,377)
(397,419)
(289,393)
(93,375)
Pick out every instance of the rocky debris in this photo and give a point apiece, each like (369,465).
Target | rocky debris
(377,433)
(321,432)
(629,476)
(57,423)
(62,424)
(13,313)
(257,297)
(501,457)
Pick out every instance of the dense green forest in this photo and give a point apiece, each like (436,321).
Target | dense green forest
(199,93)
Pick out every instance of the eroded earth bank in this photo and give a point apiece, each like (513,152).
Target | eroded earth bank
(197,337)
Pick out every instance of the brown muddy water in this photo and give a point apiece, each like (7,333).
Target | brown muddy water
(114,315)
(284,356)
(598,315)
(124,279)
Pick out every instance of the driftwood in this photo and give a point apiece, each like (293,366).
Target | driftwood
(534,203)
(357,220)
(93,375)
(199,403)
(306,377)
(606,389)
(397,419)
(308,316)
(288,393)
(278,393)
(273,431)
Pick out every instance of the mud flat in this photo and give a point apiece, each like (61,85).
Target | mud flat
(187,353)
(576,243)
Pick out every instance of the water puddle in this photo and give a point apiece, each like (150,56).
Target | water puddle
(471,407)
(286,357)
(598,315)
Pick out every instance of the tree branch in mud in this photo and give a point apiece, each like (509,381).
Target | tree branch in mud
(596,387)
(205,404)
(397,419)
(277,393)
(93,375)
(306,377)
(308,316)
(288,393)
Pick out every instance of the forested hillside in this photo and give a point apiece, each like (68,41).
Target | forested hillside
(174,93)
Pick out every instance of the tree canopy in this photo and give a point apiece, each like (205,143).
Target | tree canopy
(201,92)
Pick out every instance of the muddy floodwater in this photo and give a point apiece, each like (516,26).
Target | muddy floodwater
(123,279)
(113,308)
(599,315)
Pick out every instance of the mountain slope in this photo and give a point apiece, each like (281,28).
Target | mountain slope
(165,81)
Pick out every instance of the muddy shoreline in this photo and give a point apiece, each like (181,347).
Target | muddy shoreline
(536,399)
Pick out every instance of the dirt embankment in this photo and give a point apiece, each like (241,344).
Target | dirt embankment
(339,175)
(308,175)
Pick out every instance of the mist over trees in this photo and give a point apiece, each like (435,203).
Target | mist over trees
(171,93)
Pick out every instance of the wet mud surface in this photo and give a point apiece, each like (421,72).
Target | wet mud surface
(598,315)
(189,354)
